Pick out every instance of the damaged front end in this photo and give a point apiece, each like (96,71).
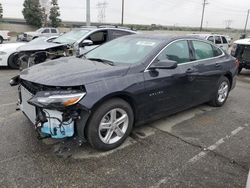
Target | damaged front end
(55,111)
(32,57)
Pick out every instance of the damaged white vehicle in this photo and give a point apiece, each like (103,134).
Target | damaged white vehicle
(76,42)
(8,54)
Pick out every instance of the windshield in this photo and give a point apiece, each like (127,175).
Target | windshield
(39,30)
(38,40)
(125,50)
(71,37)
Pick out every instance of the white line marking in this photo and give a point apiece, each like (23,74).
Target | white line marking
(8,104)
(214,146)
(201,155)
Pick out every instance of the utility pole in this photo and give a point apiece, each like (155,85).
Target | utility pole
(203,11)
(101,11)
(245,29)
(88,13)
(122,12)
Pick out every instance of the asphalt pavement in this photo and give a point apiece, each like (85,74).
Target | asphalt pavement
(200,147)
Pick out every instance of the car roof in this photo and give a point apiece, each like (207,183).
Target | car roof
(204,35)
(164,37)
(243,41)
(93,28)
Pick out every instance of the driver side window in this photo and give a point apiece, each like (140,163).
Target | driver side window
(98,38)
(177,51)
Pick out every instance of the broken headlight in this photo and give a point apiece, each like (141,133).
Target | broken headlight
(56,99)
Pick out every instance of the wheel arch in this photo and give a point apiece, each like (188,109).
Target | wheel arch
(122,95)
(229,76)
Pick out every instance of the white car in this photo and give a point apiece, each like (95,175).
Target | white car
(9,52)
(46,31)
(219,40)
(4,35)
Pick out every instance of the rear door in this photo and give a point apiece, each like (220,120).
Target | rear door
(209,64)
(170,90)
(54,32)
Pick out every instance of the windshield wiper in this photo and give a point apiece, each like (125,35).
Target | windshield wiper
(105,61)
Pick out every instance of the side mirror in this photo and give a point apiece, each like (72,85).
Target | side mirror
(164,64)
(86,43)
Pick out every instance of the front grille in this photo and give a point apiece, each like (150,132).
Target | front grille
(34,88)
(25,35)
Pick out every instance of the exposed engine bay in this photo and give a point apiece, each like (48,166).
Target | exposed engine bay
(29,58)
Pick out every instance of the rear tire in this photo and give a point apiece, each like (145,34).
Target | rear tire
(110,124)
(13,61)
(221,94)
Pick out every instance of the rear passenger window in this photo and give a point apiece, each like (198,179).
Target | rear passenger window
(116,34)
(217,40)
(53,31)
(177,51)
(203,50)
(224,40)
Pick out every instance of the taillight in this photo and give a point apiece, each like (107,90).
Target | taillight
(8,34)
(237,62)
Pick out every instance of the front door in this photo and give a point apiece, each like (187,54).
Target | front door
(169,91)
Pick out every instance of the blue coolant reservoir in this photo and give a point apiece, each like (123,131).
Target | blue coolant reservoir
(55,127)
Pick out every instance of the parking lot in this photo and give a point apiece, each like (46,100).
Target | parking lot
(201,147)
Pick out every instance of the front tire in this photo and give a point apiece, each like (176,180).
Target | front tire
(110,124)
(221,95)
(13,61)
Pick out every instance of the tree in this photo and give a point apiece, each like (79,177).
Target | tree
(55,21)
(32,12)
(1,11)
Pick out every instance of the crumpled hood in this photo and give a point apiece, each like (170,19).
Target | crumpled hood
(71,71)
(11,45)
(38,46)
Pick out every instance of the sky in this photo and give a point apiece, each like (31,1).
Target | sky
(164,12)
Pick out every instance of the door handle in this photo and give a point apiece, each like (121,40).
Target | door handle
(218,65)
(189,70)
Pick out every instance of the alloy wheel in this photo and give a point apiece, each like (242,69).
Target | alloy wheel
(113,126)
(223,92)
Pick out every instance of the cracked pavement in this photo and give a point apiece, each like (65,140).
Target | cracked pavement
(200,147)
